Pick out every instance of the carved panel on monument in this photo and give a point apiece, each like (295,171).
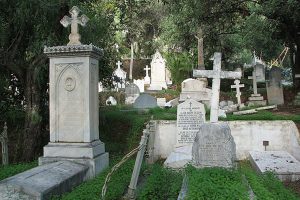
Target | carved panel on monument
(69,104)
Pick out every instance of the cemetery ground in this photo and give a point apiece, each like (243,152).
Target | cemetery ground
(121,129)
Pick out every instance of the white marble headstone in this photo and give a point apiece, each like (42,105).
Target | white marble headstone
(158,72)
(140,83)
(190,116)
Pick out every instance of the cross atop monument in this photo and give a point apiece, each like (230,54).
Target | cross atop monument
(74,20)
(216,74)
(119,64)
(237,86)
(147,70)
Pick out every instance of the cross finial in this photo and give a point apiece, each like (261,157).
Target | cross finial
(74,20)
(119,64)
(147,70)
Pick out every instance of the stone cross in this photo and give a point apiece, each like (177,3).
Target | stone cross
(147,70)
(119,64)
(253,77)
(216,74)
(237,86)
(74,20)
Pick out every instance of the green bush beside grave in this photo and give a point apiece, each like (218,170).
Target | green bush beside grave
(13,169)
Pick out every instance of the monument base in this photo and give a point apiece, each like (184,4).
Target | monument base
(256,100)
(91,154)
(158,86)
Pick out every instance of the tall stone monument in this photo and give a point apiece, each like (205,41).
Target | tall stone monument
(74,115)
(158,72)
(274,87)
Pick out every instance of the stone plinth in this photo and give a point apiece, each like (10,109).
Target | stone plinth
(283,164)
(44,181)
(214,146)
(256,100)
(74,113)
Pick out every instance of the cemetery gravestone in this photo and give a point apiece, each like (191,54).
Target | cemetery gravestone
(145,101)
(132,92)
(140,83)
(161,102)
(147,77)
(195,89)
(74,116)
(121,76)
(158,72)
(214,146)
(237,86)
(190,116)
(274,87)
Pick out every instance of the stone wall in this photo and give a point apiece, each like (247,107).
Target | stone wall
(248,135)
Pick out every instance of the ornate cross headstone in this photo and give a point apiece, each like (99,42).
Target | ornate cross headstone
(216,74)
(237,86)
(74,20)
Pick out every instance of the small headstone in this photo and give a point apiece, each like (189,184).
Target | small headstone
(274,87)
(195,89)
(214,146)
(190,116)
(140,83)
(161,102)
(119,76)
(237,86)
(100,87)
(145,101)
(158,72)
(111,101)
(147,77)
(260,72)
(132,92)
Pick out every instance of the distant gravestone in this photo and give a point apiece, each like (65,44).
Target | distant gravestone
(190,116)
(111,101)
(214,146)
(260,72)
(161,102)
(158,72)
(140,83)
(145,101)
(195,89)
(274,87)
(120,76)
(132,92)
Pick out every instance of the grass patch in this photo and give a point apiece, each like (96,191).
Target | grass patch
(116,187)
(263,115)
(266,186)
(163,114)
(13,169)
(215,183)
(161,184)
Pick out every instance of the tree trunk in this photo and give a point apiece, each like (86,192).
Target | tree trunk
(32,140)
(131,62)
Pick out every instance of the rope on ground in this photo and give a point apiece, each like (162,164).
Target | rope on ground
(115,167)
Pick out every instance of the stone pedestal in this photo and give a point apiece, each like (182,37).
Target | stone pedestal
(256,100)
(74,108)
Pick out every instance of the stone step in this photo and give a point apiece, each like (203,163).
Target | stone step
(43,181)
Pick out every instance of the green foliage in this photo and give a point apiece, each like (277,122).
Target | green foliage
(13,169)
(265,186)
(163,114)
(215,183)
(180,66)
(116,187)
(263,115)
(163,183)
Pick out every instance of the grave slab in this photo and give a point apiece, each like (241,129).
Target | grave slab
(283,164)
(44,181)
